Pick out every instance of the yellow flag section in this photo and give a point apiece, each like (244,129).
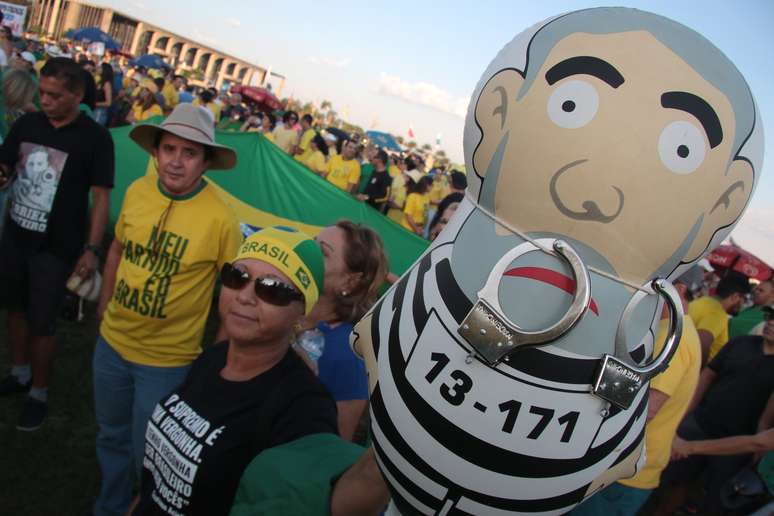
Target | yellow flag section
(269,188)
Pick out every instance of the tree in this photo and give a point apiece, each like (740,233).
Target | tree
(399,139)
(426,147)
(411,145)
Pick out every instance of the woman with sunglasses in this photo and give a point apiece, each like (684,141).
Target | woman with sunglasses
(243,395)
(355,269)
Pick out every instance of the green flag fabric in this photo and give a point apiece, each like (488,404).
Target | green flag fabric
(268,187)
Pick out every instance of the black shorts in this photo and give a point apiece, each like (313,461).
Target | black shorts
(32,281)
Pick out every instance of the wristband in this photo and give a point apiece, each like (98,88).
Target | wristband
(93,248)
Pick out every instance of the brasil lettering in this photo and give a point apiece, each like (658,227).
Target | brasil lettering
(271,251)
(160,256)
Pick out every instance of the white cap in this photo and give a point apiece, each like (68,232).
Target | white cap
(27,56)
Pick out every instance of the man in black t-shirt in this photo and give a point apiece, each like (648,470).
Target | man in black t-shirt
(377,191)
(730,399)
(51,161)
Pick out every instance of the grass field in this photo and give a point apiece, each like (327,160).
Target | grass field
(54,471)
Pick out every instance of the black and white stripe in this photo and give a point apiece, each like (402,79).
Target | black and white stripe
(436,466)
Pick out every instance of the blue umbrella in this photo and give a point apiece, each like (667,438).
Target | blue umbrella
(384,140)
(149,61)
(93,35)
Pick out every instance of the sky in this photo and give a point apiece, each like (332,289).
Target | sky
(391,65)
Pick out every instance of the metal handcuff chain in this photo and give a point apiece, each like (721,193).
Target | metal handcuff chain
(493,336)
(618,379)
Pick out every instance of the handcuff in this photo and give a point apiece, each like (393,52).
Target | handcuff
(493,336)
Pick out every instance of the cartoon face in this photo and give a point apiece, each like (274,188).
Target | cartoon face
(601,147)
(37,167)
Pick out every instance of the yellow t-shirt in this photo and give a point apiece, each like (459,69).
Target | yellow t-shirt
(416,206)
(303,144)
(214,108)
(343,173)
(266,135)
(170,94)
(438,191)
(398,196)
(161,298)
(316,162)
(394,172)
(678,382)
(141,116)
(285,138)
(709,315)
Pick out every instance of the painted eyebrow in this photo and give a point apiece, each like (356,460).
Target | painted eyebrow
(699,108)
(586,65)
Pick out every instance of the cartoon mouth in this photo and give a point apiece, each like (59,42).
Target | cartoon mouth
(550,277)
(591,208)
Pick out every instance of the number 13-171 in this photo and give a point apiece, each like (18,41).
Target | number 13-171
(455,395)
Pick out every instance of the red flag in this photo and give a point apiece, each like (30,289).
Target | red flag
(411,131)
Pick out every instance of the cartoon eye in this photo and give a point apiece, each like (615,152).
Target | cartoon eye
(682,147)
(573,104)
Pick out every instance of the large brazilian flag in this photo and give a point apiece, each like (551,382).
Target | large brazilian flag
(268,188)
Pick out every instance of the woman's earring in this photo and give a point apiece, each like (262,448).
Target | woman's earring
(344,293)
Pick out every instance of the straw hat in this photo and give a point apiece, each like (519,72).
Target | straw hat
(191,123)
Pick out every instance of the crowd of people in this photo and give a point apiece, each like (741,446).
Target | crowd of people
(400,185)
(710,413)
(186,419)
(156,394)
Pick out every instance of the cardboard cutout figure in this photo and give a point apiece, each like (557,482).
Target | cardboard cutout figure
(607,150)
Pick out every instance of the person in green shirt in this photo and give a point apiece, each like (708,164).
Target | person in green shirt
(749,318)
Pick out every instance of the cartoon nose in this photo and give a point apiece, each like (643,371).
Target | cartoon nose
(578,193)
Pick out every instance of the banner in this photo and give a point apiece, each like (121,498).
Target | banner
(13,17)
(268,187)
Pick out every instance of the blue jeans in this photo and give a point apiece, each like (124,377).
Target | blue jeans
(125,394)
(614,500)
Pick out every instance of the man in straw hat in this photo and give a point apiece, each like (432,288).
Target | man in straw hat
(172,237)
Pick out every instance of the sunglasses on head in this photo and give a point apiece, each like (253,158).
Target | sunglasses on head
(270,290)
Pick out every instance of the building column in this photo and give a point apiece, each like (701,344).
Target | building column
(248,76)
(71,16)
(210,66)
(278,93)
(54,16)
(138,32)
(222,73)
(152,44)
(107,19)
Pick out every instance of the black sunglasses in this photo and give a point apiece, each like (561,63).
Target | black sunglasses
(270,290)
